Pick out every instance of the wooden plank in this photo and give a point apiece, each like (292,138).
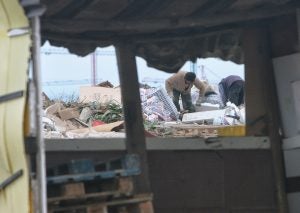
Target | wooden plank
(258,57)
(144,207)
(73,189)
(125,185)
(84,196)
(116,188)
(135,136)
(97,209)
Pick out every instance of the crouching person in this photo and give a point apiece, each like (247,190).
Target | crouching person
(180,84)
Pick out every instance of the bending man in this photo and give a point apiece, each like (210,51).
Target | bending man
(180,84)
(231,89)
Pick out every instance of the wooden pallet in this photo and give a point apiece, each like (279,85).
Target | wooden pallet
(141,203)
(89,192)
(87,170)
(84,186)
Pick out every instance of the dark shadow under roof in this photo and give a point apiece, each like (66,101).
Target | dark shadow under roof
(166,33)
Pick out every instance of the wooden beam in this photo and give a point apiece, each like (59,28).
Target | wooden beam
(135,136)
(80,26)
(254,61)
(261,100)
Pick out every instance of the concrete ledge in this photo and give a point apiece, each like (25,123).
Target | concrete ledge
(291,143)
(118,144)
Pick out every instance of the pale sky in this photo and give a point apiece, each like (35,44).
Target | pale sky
(64,73)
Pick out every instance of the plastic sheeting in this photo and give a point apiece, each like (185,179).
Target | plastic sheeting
(14,55)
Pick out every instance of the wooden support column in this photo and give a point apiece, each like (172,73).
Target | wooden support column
(135,136)
(255,66)
(261,102)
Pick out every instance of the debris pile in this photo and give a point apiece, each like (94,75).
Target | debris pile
(65,120)
(101,115)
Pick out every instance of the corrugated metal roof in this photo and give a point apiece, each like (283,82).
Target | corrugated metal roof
(165,33)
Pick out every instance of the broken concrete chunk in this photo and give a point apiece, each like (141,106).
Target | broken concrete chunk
(85,114)
(58,123)
(206,107)
(52,134)
(207,116)
(68,113)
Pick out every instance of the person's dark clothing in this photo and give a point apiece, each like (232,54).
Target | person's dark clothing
(231,89)
(186,101)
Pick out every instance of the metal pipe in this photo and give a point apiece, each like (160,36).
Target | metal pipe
(94,68)
(40,158)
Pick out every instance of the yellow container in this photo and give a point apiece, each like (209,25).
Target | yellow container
(239,130)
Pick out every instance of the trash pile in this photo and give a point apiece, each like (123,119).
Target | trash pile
(101,116)
(157,106)
(65,120)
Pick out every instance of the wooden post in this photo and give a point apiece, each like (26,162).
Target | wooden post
(135,136)
(261,100)
(254,84)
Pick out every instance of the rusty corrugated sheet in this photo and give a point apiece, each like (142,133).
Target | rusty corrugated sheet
(165,33)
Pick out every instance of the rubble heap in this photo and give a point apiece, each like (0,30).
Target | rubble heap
(105,119)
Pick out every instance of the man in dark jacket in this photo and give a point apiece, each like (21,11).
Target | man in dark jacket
(231,89)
